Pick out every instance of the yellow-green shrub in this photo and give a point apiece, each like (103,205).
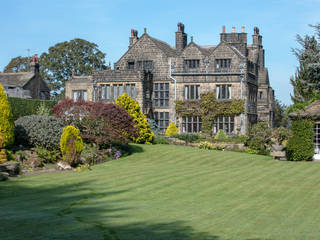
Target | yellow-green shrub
(145,135)
(6,119)
(171,130)
(71,145)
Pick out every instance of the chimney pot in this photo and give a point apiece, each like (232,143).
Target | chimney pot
(242,29)
(223,29)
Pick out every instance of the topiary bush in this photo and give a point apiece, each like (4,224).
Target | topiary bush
(71,145)
(35,130)
(259,137)
(171,129)
(145,135)
(221,136)
(6,120)
(300,146)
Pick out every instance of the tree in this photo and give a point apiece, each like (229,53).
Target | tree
(78,56)
(6,120)
(280,114)
(18,64)
(171,130)
(306,81)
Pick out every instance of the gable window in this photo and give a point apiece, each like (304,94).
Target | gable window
(223,91)
(191,124)
(117,90)
(223,64)
(225,123)
(79,95)
(192,92)
(131,65)
(130,89)
(161,95)
(162,120)
(145,65)
(192,64)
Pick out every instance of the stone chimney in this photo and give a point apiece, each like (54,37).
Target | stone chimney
(34,65)
(256,37)
(133,38)
(181,38)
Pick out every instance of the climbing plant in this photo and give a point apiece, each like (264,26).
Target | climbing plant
(209,108)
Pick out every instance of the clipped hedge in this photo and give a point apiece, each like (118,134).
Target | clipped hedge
(24,107)
(300,146)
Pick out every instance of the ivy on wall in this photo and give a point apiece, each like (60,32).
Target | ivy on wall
(209,108)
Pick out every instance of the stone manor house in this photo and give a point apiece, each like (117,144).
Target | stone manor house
(158,76)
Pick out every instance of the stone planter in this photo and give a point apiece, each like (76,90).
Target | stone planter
(277,147)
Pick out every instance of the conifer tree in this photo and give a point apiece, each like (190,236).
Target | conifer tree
(6,119)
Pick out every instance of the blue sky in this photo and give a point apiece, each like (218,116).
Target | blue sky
(37,25)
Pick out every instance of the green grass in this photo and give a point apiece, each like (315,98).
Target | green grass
(164,192)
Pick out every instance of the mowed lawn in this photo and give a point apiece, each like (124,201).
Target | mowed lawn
(167,192)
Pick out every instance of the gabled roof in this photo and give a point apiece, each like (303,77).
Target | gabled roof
(203,50)
(165,47)
(312,110)
(234,49)
(16,79)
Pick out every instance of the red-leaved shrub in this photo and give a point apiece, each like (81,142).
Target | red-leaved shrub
(99,123)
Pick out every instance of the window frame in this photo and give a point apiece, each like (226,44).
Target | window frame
(226,123)
(223,91)
(191,124)
(162,120)
(192,92)
(82,94)
(161,95)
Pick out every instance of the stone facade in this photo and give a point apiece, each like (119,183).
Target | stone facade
(160,74)
(26,84)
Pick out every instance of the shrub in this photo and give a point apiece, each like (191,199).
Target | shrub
(259,136)
(42,131)
(25,107)
(107,124)
(210,146)
(71,145)
(160,140)
(145,135)
(6,120)
(43,110)
(300,146)
(221,136)
(154,127)
(187,137)
(48,156)
(172,129)
(280,135)
(99,123)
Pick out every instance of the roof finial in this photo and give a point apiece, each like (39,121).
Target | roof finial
(191,39)
(145,30)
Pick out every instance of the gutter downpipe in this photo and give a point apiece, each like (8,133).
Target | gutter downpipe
(175,89)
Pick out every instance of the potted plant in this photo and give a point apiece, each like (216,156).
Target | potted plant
(280,137)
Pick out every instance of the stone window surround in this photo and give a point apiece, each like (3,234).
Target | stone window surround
(223,91)
(225,123)
(191,92)
(79,94)
(191,124)
(161,95)
(162,120)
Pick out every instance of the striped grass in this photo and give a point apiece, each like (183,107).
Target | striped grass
(167,192)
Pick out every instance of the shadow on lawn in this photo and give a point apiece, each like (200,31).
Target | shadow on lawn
(75,211)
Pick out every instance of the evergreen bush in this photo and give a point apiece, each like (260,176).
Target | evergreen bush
(259,137)
(35,130)
(6,119)
(71,145)
(145,135)
(300,146)
(187,137)
(221,136)
(172,129)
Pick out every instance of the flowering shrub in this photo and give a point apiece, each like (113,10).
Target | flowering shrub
(145,135)
(210,146)
(6,119)
(114,153)
(280,135)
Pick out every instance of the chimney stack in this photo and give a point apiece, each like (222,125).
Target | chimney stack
(181,38)
(233,29)
(242,29)
(256,37)
(133,38)
(34,65)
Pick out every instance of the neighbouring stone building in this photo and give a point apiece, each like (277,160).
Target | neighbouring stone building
(161,77)
(26,84)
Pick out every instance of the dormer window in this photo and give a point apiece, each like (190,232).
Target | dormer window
(223,64)
(192,64)
(131,65)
